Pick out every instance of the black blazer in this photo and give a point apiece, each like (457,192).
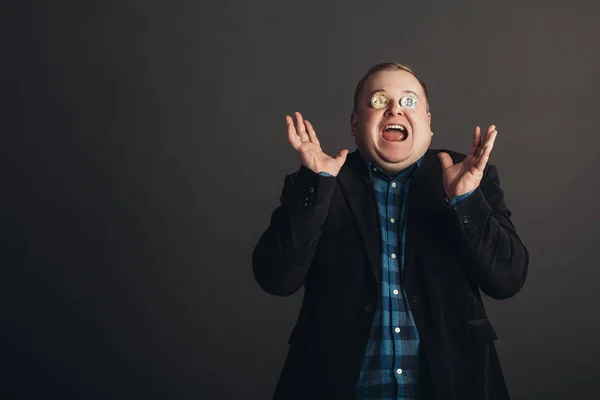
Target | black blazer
(325,236)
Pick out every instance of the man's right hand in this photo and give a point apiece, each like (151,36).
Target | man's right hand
(304,140)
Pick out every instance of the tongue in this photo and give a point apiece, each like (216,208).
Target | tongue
(394,136)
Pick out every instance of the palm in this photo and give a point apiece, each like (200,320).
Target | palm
(311,154)
(465,176)
(304,140)
(459,177)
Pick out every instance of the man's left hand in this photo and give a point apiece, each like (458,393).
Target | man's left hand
(465,176)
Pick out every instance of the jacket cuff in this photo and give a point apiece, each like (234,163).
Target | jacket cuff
(311,189)
(457,200)
(473,212)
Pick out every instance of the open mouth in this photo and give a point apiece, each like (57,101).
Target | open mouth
(394,133)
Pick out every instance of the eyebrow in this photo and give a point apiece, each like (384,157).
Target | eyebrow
(383,90)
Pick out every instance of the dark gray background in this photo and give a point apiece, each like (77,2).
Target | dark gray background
(144,148)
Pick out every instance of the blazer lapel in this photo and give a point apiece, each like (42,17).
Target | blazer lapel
(357,189)
(426,196)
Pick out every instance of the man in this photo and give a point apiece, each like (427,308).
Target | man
(393,245)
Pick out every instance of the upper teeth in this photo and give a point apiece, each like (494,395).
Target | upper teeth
(394,127)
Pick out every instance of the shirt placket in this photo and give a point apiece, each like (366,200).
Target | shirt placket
(392,222)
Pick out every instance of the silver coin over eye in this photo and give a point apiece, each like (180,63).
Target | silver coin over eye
(409,102)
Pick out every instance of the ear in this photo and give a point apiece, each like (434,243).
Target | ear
(429,122)
(353,121)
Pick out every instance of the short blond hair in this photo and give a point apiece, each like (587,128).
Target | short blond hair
(389,66)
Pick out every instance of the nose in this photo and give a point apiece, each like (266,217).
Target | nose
(394,108)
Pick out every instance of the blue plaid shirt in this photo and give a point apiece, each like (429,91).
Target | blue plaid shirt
(390,366)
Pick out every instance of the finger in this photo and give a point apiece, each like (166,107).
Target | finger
(445,159)
(300,128)
(489,142)
(491,135)
(476,141)
(312,135)
(488,132)
(293,137)
(485,152)
(483,159)
(340,157)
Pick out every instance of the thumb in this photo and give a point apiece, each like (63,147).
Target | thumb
(445,159)
(340,157)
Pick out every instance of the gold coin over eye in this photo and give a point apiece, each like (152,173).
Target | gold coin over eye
(409,102)
(379,101)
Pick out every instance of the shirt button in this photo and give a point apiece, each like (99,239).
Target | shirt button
(399,371)
(397,330)
(368,308)
(393,255)
(311,189)
(392,220)
(396,291)
(393,184)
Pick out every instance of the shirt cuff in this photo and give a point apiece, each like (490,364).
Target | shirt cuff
(323,173)
(458,199)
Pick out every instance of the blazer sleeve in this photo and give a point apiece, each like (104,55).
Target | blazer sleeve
(500,259)
(284,253)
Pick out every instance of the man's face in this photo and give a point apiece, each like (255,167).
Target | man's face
(392,149)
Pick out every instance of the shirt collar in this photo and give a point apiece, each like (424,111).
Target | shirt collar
(402,176)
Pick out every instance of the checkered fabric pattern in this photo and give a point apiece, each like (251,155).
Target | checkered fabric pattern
(390,365)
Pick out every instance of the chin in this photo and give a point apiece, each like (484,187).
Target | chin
(394,157)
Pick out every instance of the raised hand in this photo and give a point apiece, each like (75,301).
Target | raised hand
(465,176)
(304,140)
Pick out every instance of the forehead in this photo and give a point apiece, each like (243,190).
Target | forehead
(393,82)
